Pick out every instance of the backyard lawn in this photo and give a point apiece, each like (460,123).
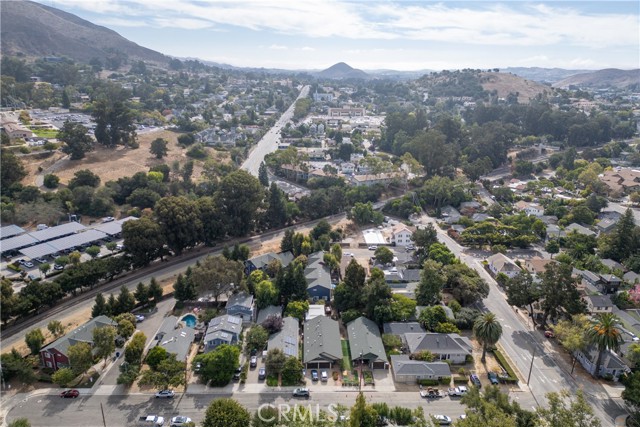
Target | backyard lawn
(346,356)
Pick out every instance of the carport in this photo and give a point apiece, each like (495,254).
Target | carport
(374,236)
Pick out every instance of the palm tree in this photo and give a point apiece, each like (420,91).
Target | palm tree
(488,331)
(604,334)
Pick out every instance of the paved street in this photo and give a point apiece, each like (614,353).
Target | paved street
(519,342)
(269,142)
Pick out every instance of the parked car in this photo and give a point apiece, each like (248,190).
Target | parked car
(458,391)
(301,392)
(475,380)
(139,317)
(179,421)
(58,267)
(28,264)
(493,378)
(197,367)
(443,420)
(373,247)
(167,394)
(41,260)
(314,375)
(262,374)
(253,362)
(68,394)
(549,334)
(236,374)
(324,376)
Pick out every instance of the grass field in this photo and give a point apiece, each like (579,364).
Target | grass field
(45,133)
(346,356)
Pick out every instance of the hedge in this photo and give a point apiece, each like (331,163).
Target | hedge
(460,380)
(513,378)
(428,382)
(445,380)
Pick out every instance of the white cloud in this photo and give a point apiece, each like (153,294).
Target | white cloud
(183,23)
(307,49)
(120,22)
(278,47)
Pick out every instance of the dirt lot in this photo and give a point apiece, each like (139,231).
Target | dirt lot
(111,164)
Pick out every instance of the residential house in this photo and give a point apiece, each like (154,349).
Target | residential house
(401,328)
(322,347)
(451,347)
(549,219)
(554,232)
(371,180)
(287,338)
(613,265)
(272,310)
(631,277)
(609,283)
(409,371)
(531,209)
(480,217)
(318,277)
(346,112)
(499,263)
(606,226)
(536,265)
(241,305)
(590,278)
(365,344)
(469,208)
(611,364)
(401,235)
(225,329)
(314,311)
(348,168)
(577,228)
(178,342)
(261,262)
(597,304)
(295,172)
(450,214)
(621,181)
(16,130)
(55,355)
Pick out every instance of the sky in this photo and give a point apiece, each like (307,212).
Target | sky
(378,34)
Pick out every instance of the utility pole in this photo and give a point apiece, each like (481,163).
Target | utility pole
(104,422)
(533,357)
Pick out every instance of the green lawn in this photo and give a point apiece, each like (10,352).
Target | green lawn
(346,356)
(45,133)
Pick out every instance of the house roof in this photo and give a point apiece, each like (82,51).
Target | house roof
(612,264)
(287,338)
(263,260)
(316,273)
(240,300)
(223,327)
(438,343)
(537,265)
(590,276)
(321,340)
(610,278)
(631,277)
(179,342)
(606,224)
(315,310)
(268,311)
(600,300)
(579,229)
(365,340)
(502,263)
(167,326)
(82,333)
(402,365)
(401,328)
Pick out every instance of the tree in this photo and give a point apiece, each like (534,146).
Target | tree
(80,357)
(523,292)
(240,197)
(377,297)
(155,356)
(559,292)
(155,291)
(362,415)
(143,240)
(76,138)
(11,170)
(275,361)
(34,339)
(287,240)
(169,373)
(631,396)
(431,317)
(218,365)
(135,348)
(8,300)
(297,309)
(568,409)
(276,214)
(51,181)
(572,334)
(384,255)
(184,289)
(226,413)
(84,178)
(292,285)
(215,275)
(292,371)
(100,307)
(114,123)
(93,251)
(257,338)
(263,176)
(553,247)
(605,335)
(179,221)
(431,283)
(56,328)
(141,293)
(125,302)
(487,331)
(402,307)
(125,327)
(159,148)
(20,422)
(266,294)
(104,342)
(363,213)
(63,377)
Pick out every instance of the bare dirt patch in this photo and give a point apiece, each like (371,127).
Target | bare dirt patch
(505,84)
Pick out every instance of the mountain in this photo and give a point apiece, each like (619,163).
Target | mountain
(544,75)
(505,83)
(610,77)
(36,30)
(341,71)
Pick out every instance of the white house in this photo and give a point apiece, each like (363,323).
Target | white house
(401,236)
(499,263)
(531,209)
(348,168)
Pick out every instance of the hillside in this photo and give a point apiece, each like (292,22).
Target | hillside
(505,84)
(36,30)
(342,71)
(610,77)
(544,75)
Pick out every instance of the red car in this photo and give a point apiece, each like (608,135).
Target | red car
(67,394)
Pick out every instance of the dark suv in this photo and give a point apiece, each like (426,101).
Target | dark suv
(493,378)
(475,380)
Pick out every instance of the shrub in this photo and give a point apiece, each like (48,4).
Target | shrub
(335,375)
(197,152)
(428,383)
(51,181)
(460,380)
(445,380)
(503,361)
(382,409)
(244,373)
(401,416)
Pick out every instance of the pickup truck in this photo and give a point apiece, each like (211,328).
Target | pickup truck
(458,391)
(150,421)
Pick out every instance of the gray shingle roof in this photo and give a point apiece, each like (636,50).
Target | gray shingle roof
(322,340)
(83,333)
(316,273)
(223,327)
(401,328)
(438,343)
(600,300)
(287,338)
(402,365)
(262,261)
(365,340)
(579,229)
(268,311)
(178,342)
(240,300)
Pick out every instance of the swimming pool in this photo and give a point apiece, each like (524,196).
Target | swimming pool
(189,320)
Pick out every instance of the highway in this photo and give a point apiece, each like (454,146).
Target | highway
(269,142)
(519,342)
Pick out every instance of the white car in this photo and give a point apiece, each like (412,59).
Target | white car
(139,317)
(324,376)
(167,394)
(178,421)
(28,264)
(373,247)
(443,420)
